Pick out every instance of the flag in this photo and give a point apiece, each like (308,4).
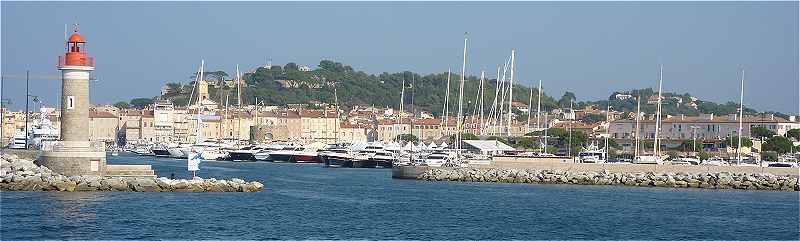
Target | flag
(193,161)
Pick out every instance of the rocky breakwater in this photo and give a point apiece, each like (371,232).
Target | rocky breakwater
(23,175)
(721,180)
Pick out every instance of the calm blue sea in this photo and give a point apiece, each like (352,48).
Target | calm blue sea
(307,201)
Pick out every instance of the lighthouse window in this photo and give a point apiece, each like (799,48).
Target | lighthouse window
(70,102)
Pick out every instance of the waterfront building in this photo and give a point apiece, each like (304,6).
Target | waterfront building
(130,121)
(103,127)
(163,123)
(703,127)
(318,125)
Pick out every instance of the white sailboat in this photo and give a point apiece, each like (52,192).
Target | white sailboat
(656,158)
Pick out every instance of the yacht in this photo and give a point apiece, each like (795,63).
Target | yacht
(160,151)
(383,158)
(179,150)
(17,141)
(306,154)
(335,155)
(715,161)
(690,160)
(438,159)
(592,154)
(247,153)
(654,159)
(263,155)
(43,130)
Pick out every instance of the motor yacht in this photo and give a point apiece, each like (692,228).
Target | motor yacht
(592,154)
(715,161)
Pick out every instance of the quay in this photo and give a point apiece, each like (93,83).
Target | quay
(554,171)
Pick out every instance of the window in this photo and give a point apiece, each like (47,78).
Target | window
(70,102)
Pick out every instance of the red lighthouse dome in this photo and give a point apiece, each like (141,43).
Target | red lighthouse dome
(76,52)
(76,38)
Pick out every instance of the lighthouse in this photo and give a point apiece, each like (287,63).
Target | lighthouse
(74,153)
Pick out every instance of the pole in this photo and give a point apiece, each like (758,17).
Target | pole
(1,114)
(530,103)
(336,102)
(545,132)
(461,99)
(569,147)
(741,115)
(511,91)
(539,105)
(27,93)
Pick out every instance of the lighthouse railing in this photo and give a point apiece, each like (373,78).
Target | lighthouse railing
(86,61)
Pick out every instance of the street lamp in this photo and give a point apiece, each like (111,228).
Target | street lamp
(694,138)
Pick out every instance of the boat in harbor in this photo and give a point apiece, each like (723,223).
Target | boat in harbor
(18,141)
(160,151)
(592,154)
(437,159)
(715,161)
(246,154)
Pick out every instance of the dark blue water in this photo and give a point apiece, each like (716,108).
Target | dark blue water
(307,201)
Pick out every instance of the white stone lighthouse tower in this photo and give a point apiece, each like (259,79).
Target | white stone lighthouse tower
(74,154)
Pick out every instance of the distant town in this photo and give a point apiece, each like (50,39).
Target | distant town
(233,110)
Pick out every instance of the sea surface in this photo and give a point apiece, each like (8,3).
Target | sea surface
(308,201)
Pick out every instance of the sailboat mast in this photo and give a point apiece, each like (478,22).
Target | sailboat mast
(461,97)
(336,102)
(413,114)
(483,92)
(539,105)
(741,115)
(402,99)
(530,103)
(636,134)
(446,108)
(510,92)
(545,133)
(658,112)
(608,110)
(493,111)
(238,102)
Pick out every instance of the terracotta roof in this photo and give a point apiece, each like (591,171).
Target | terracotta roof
(716,119)
(575,125)
(101,114)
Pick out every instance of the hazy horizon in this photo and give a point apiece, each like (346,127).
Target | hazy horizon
(589,48)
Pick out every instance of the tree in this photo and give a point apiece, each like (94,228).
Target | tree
(794,134)
(408,138)
(759,132)
(122,105)
(526,143)
(746,142)
(778,144)
(593,118)
(290,66)
(140,103)
(174,89)
(698,145)
(464,136)
(566,99)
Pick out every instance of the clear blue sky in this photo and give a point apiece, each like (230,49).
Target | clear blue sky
(589,48)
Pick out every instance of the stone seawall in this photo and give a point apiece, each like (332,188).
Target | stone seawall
(718,180)
(23,175)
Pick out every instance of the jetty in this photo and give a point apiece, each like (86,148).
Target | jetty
(18,174)
(548,171)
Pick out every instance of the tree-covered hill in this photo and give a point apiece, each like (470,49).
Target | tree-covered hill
(290,84)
